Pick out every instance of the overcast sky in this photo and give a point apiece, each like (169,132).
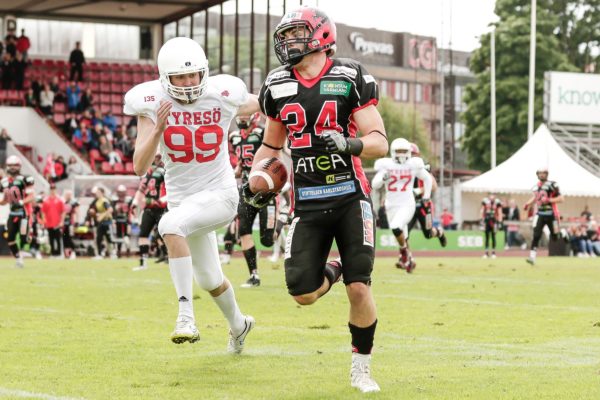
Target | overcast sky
(463,20)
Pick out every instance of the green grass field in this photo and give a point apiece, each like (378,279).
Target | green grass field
(456,329)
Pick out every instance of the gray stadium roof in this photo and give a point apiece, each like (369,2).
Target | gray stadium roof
(141,11)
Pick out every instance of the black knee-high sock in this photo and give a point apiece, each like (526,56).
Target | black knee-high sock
(14,249)
(250,256)
(143,252)
(163,248)
(362,338)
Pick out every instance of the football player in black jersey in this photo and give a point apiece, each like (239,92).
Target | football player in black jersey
(70,223)
(122,207)
(152,191)
(424,212)
(546,196)
(18,192)
(245,146)
(318,104)
(491,216)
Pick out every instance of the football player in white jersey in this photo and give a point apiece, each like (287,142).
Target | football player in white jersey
(186,115)
(398,174)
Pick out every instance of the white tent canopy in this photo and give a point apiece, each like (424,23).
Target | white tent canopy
(516,176)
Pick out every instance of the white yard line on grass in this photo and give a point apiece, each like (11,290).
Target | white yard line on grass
(5,392)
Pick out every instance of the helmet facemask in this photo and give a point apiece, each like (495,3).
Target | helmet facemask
(13,166)
(185,94)
(401,155)
(291,50)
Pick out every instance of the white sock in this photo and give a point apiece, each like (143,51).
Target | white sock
(183,278)
(229,308)
(532,254)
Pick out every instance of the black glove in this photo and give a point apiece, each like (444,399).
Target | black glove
(258,200)
(335,142)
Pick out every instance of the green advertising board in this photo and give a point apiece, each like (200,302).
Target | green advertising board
(457,240)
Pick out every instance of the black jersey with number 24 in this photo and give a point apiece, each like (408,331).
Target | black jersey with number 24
(308,108)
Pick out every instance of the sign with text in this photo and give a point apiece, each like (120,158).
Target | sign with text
(572,98)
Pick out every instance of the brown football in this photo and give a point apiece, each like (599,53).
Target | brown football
(269,175)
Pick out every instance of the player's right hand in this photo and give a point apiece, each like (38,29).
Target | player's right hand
(258,200)
(162,113)
(386,176)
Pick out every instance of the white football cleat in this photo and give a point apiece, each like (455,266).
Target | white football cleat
(140,268)
(185,331)
(225,258)
(360,373)
(19,262)
(72,256)
(236,343)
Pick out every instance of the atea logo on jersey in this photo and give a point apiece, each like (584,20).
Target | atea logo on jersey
(338,88)
(321,163)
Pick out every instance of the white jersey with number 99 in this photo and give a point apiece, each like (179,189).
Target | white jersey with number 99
(194,144)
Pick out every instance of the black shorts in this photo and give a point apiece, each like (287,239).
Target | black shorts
(150,219)
(309,241)
(122,228)
(423,215)
(14,226)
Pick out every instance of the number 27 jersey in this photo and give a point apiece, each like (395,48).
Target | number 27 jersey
(194,144)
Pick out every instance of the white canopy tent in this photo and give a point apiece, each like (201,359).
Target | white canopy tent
(515,178)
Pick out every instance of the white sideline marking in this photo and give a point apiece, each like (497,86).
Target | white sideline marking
(33,395)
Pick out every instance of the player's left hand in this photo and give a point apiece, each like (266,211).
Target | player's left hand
(335,142)
(258,200)
(426,204)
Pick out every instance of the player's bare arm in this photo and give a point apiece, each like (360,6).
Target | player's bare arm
(274,138)
(148,138)
(250,107)
(557,199)
(374,139)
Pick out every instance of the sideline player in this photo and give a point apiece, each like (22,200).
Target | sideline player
(247,143)
(187,115)
(70,223)
(152,194)
(398,174)
(18,193)
(122,206)
(491,216)
(318,104)
(424,213)
(546,196)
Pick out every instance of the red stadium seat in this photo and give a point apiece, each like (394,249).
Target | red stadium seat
(93,76)
(59,107)
(106,168)
(115,88)
(116,98)
(105,76)
(116,109)
(136,67)
(118,168)
(37,62)
(138,77)
(127,78)
(105,87)
(59,118)
(93,66)
(95,86)
(105,108)
(104,98)
(129,168)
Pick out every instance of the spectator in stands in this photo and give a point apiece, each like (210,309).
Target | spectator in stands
(1,48)
(19,66)
(74,167)
(447,219)
(6,67)
(87,100)
(95,136)
(11,44)
(122,142)
(132,127)
(23,45)
(60,167)
(70,125)
(586,214)
(108,152)
(81,137)
(73,94)
(512,229)
(594,236)
(76,59)
(53,211)
(30,100)
(52,171)
(4,138)
(110,121)
(55,87)
(46,100)
(86,117)
(36,85)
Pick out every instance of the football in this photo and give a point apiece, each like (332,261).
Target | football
(269,175)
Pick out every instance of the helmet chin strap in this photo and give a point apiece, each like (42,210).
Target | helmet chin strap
(294,56)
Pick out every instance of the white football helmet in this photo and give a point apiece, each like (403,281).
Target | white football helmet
(400,150)
(13,165)
(179,56)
